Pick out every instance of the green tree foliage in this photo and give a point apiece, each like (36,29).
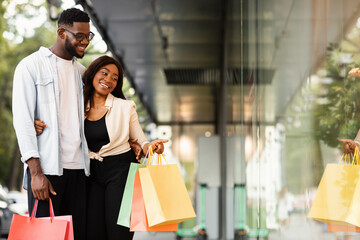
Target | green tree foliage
(7,134)
(12,51)
(338,114)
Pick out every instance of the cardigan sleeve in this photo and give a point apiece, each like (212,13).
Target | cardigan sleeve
(357,139)
(135,128)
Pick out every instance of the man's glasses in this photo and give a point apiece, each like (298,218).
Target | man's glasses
(81,36)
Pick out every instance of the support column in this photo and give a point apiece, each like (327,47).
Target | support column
(222,120)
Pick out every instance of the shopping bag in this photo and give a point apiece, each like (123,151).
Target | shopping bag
(138,222)
(125,207)
(338,195)
(165,195)
(69,235)
(47,228)
(342,228)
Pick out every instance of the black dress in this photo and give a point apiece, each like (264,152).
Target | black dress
(106,186)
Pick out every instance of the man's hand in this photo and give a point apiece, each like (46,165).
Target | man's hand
(40,185)
(135,146)
(39,126)
(348,145)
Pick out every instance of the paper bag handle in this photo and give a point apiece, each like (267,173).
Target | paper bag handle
(149,156)
(159,158)
(51,209)
(355,158)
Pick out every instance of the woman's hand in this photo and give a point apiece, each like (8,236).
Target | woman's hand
(39,126)
(355,72)
(156,145)
(348,145)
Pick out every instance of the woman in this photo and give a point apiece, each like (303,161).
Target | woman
(110,120)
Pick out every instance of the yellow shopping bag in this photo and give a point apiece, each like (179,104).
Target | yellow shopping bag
(166,198)
(337,200)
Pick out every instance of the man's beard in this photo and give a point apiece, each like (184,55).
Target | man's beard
(71,49)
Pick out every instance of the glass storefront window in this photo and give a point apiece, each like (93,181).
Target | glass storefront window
(298,101)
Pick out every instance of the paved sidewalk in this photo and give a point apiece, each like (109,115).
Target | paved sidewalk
(154,236)
(150,236)
(303,228)
(300,228)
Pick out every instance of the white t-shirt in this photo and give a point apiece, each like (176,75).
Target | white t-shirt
(69,116)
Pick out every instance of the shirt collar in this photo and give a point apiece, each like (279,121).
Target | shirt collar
(47,53)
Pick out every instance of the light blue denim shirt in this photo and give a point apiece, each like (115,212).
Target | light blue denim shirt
(36,96)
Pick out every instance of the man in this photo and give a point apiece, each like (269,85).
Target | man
(47,85)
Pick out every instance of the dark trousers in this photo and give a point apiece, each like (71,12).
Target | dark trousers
(70,199)
(106,186)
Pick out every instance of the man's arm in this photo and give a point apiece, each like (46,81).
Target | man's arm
(135,146)
(23,108)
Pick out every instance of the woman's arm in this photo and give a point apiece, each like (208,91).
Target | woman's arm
(136,132)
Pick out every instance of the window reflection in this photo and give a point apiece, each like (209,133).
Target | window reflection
(298,101)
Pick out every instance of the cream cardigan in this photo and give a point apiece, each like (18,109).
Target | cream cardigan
(122,124)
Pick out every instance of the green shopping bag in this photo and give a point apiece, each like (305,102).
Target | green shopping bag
(126,202)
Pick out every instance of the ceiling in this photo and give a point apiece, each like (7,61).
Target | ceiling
(172,51)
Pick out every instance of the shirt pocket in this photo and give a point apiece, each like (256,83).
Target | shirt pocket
(45,90)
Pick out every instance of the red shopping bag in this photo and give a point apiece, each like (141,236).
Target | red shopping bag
(48,228)
(138,219)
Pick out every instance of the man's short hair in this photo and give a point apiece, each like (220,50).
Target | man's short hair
(71,15)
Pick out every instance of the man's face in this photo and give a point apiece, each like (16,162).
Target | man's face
(73,46)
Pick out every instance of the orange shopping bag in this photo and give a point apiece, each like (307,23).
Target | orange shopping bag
(138,220)
(342,228)
(48,228)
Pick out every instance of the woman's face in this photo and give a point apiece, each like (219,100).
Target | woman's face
(105,80)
